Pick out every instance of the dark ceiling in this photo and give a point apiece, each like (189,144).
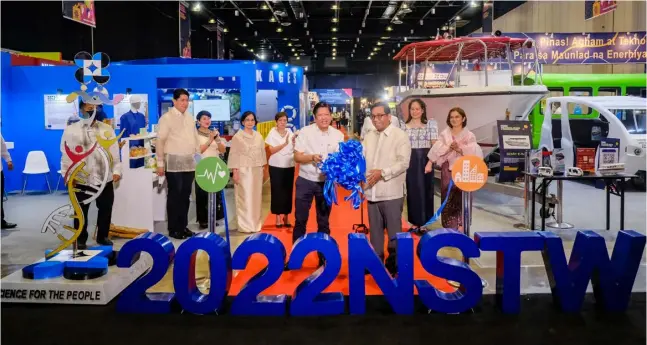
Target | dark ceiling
(349,31)
(358,33)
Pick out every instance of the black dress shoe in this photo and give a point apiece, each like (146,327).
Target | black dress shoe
(203,226)
(81,246)
(188,233)
(177,235)
(6,225)
(104,242)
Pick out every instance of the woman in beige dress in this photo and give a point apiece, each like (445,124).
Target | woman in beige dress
(246,160)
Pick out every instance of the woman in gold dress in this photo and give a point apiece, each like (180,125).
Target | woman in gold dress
(246,160)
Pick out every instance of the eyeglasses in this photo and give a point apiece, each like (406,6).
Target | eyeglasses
(378,116)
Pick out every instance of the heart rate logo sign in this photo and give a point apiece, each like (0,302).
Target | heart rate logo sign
(212,174)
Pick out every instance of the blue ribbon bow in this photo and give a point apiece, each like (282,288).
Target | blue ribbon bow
(346,168)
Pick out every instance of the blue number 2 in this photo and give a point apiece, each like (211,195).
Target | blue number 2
(248,301)
(134,299)
(308,298)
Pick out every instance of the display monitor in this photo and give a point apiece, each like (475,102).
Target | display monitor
(219,108)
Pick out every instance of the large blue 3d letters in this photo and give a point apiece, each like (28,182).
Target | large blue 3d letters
(471,290)
(612,279)
(398,292)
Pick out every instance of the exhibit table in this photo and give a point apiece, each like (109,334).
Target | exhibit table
(609,181)
(140,200)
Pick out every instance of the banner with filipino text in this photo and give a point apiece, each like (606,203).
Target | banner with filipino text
(582,48)
(596,8)
(185,30)
(80,11)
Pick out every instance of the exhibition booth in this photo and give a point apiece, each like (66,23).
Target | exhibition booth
(34,110)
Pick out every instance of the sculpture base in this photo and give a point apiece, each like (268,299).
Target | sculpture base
(72,290)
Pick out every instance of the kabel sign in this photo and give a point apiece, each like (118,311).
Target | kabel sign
(612,278)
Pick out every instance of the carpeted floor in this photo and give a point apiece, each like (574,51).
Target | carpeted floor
(538,323)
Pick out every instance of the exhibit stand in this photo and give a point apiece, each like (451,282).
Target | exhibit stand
(140,200)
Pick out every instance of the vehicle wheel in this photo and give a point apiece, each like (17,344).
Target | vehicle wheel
(639,182)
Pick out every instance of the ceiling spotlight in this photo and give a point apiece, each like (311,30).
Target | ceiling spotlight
(334,44)
(308,32)
(363,24)
(197,7)
(334,53)
(295,54)
(334,20)
(264,7)
(295,39)
(289,44)
(335,7)
(379,43)
(251,50)
(310,39)
(212,21)
(286,23)
(351,55)
(433,10)
(305,68)
(279,29)
(285,38)
(247,24)
(305,25)
(272,20)
(313,46)
(255,33)
(405,39)
(244,44)
(262,56)
(298,58)
(412,31)
(333,58)
(293,49)
(369,57)
(389,28)
(458,18)
(334,29)
(334,38)
(360,31)
(422,22)
(474,4)
(225,30)
(334,49)
(235,38)
(396,20)
(236,13)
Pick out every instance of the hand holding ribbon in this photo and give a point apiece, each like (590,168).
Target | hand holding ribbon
(346,168)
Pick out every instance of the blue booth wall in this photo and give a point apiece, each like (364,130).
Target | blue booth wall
(285,79)
(23,88)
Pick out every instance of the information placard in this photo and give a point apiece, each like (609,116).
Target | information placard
(58,111)
(514,141)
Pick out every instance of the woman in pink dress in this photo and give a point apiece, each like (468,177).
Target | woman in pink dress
(453,142)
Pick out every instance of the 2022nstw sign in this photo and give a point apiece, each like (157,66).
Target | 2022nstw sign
(612,278)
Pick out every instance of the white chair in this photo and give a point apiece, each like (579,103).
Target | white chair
(36,164)
(58,182)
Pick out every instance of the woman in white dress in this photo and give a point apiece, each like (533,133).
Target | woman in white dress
(211,145)
(281,144)
(246,160)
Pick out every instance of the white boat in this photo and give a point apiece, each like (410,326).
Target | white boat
(485,95)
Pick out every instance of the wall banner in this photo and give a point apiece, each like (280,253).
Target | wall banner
(80,11)
(582,48)
(596,8)
(185,30)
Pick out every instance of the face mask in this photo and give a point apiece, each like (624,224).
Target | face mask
(87,118)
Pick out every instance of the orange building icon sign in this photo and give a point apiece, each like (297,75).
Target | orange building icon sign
(469,173)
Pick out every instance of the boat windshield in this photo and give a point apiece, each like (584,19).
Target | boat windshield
(633,119)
